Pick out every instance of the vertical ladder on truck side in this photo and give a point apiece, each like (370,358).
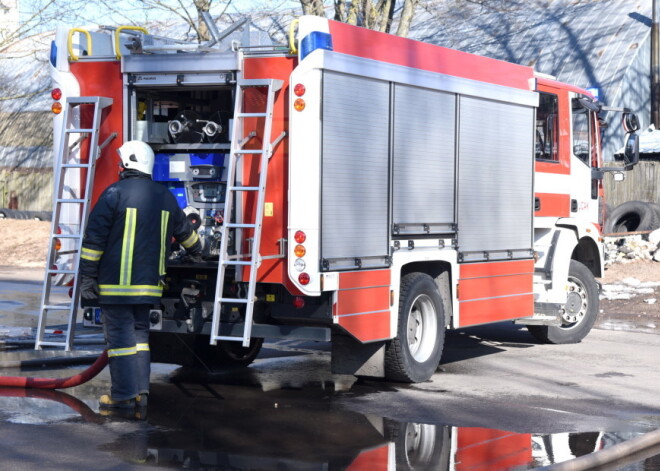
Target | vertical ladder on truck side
(235,191)
(66,162)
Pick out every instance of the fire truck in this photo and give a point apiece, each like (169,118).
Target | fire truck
(351,187)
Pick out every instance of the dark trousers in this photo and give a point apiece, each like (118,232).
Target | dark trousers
(126,328)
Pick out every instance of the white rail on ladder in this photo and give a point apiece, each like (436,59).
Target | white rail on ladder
(66,162)
(236,223)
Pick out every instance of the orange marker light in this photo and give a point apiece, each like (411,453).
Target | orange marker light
(299,251)
(299,104)
(56,108)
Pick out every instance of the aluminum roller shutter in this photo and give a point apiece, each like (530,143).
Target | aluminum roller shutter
(355,172)
(495,197)
(424,161)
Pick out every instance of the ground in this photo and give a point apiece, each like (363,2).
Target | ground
(24,244)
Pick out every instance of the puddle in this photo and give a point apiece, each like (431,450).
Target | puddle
(197,424)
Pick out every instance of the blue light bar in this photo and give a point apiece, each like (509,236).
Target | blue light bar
(313,41)
(53,53)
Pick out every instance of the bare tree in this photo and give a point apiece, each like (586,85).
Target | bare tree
(373,14)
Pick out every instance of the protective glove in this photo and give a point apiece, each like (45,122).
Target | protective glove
(89,288)
(192,257)
(193,254)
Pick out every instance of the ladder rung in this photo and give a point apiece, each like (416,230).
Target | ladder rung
(67,236)
(75,166)
(57,307)
(228,338)
(61,272)
(252,115)
(70,200)
(234,300)
(79,131)
(249,151)
(240,226)
(236,262)
(51,344)
(243,188)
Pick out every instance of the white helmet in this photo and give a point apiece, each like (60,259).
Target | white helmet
(137,155)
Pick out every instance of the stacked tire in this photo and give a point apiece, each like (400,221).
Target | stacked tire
(633,216)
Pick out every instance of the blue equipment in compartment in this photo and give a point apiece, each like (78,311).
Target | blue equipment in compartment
(177,169)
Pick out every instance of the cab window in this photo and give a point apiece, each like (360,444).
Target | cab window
(581,132)
(547,126)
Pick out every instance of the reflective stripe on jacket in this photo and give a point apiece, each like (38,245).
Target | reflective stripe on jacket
(127,239)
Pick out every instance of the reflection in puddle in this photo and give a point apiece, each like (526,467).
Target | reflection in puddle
(197,425)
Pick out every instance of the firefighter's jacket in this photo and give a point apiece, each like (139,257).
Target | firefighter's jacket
(127,239)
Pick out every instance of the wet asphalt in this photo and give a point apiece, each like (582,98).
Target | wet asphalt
(500,401)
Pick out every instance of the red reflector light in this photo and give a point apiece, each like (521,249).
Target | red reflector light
(299,104)
(54,267)
(56,93)
(304,279)
(299,89)
(300,237)
(298,302)
(56,108)
(71,292)
(299,251)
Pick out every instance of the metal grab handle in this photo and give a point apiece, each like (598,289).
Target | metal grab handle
(125,28)
(69,42)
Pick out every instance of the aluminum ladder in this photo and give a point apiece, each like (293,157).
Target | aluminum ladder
(252,259)
(64,200)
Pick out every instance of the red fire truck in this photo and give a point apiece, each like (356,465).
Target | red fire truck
(353,187)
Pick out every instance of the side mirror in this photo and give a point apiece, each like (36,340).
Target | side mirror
(630,122)
(631,151)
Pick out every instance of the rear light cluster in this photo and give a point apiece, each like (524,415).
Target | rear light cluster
(56,94)
(299,251)
(299,91)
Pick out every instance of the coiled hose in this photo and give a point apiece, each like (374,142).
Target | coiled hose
(57,383)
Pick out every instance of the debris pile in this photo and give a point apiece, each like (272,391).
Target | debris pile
(628,288)
(630,248)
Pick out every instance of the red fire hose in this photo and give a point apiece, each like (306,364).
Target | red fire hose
(57,383)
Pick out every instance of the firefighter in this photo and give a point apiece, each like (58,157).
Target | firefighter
(125,249)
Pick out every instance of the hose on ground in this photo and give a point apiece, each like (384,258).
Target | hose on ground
(57,383)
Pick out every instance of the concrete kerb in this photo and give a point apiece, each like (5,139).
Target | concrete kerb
(614,454)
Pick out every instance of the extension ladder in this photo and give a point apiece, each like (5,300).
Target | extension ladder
(65,201)
(235,189)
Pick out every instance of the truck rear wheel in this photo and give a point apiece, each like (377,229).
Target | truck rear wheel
(414,355)
(579,313)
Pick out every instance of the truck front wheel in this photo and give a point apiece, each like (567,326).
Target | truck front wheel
(414,355)
(578,314)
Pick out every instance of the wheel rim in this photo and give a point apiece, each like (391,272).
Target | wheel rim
(422,328)
(577,304)
(420,444)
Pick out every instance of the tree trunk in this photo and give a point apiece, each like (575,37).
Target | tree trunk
(203,34)
(407,15)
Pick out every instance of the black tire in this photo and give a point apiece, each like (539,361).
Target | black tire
(580,310)
(194,350)
(632,216)
(225,354)
(2,215)
(414,355)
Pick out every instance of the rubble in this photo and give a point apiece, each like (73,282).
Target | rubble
(629,288)
(626,249)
